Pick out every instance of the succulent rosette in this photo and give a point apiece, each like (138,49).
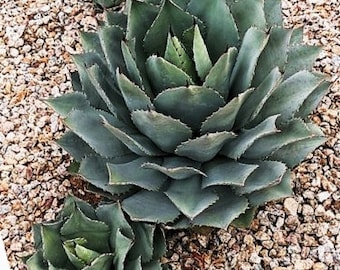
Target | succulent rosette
(192,112)
(95,239)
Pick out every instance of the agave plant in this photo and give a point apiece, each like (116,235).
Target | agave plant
(102,238)
(193,112)
(108,3)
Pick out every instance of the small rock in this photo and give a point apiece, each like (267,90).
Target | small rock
(255,258)
(320,211)
(14,52)
(322,196)
(307,210)
(291,206)
(319,266)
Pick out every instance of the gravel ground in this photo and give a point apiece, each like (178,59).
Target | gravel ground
(36,40)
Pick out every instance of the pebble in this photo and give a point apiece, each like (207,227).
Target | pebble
(291,206)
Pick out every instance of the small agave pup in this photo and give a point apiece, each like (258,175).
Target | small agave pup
(194,111)
(101,239)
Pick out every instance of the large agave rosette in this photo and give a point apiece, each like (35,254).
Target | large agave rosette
(194,112)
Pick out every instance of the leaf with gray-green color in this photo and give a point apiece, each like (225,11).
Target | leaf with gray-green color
(297,37)
(273,12)
(94,170)
(116,18)
(132,173)
(251,107)
(176,167)
(282,190)
(144,246)
(248,14)
(52,244)
(295,152)
(245,219)
(189,197)
(235,148)
(252,45)
(301,57)
(224,118)
(218,77)
(225,171)
(165,131)
(91,43)
(110,39)
(137,143)
(169,17)
(103,262)
(274,54)
(201,57)
(192,105)
(88,126)
(78,226)
(287,98)
(224,211)
(206,147)
(164,75)
(295,130)
(176,54)
(149,206)
(124,243)
(267,174)
(75,146)
(64,104)
(222,31)
(36,261)
(312,101)
(135,98)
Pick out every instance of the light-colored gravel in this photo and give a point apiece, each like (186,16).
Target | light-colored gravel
(36,39)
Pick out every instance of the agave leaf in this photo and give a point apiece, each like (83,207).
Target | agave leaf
(245,219)
(137,143)
(235,148)
(223,212)
(248,14)
(52,244)
(70,205)
(170,16)
(68,102)
(164,75)
(293,153)
(312,101)
(224,118)
(221,28)
(109,94)
(134,264)
(297,37)
(70,252)
(149,206)
(37,261)
(201,55)
(267,174)
(113,216)
(274,54)
(175,167)
(131,65)
(116,18)
(175,54)
(75,146)
(124,243)
(111,37)
(94,170)
(135,98)
(82,62)
(252,45)
(251,106)
(218,77)
(225,171)
(164,131)
(189,104)
(295,130)
(103,262)
(283,189)
(206,147)
(287,98)
(96,232)
(88,126)
(273,12)
(189,197)
(91,43)
(144,246)
(86,254)
(301,57)
(132,173)
(159,246)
